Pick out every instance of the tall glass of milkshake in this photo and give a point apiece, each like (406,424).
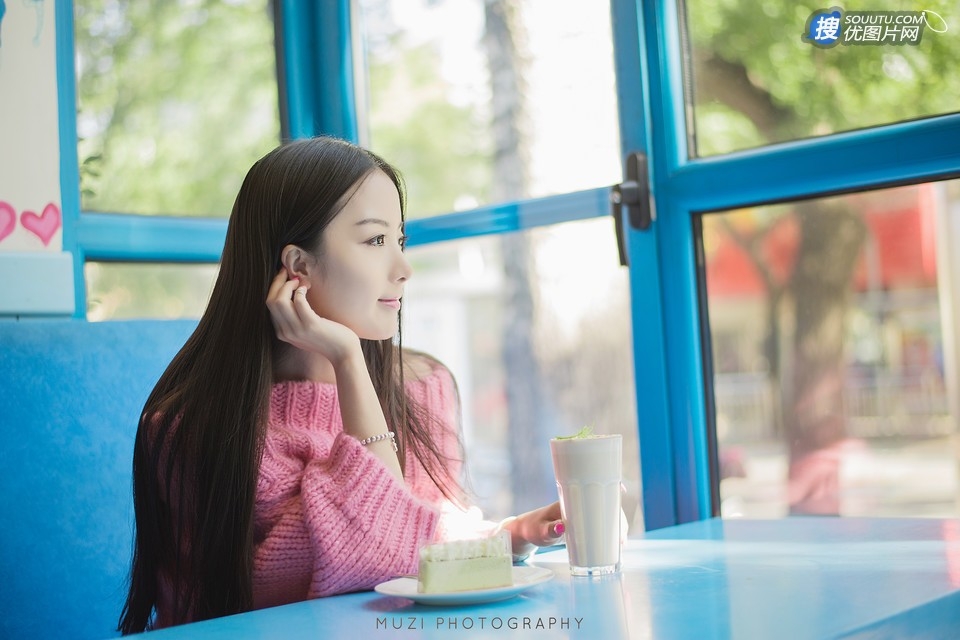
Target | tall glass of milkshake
(588,470)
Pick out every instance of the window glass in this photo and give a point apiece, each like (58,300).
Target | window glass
(540,347)
(117,291)
(175,101)
(485,102)
(832,325)
(753,79)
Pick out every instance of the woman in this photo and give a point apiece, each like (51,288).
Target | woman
(290,450)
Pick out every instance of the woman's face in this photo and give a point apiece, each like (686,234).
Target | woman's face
(361,266)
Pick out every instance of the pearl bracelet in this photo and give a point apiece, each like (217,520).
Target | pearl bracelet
(382,436)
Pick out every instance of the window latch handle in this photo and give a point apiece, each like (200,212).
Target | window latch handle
(631,200)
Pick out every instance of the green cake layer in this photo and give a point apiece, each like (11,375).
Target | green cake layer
(466,565)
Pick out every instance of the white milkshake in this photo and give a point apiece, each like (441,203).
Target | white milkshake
(588,472)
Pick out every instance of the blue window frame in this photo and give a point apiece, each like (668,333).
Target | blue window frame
(315,51)
(677,461)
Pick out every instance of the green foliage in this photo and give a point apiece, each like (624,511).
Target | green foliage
(416,127)
(122,290)
(175,101)
(810,91)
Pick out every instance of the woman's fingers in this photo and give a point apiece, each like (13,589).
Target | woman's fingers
(279,302)
(553,511)
(299,314)
(278,281)
(281,289)
(552,533)
(300,305)
(558,529)
(545,527)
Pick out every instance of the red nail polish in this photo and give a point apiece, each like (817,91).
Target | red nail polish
(559,529)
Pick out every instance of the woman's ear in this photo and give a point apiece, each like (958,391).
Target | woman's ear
(296,261)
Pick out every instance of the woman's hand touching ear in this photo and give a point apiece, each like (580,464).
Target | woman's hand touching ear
(296,323)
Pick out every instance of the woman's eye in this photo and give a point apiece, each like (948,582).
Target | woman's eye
(403,242)
(377,241)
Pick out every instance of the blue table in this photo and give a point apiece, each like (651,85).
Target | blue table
(767,579)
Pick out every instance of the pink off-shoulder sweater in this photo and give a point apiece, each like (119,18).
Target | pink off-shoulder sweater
(330,518)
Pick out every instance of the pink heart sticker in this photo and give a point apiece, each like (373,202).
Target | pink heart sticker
(44,225)
(8,219)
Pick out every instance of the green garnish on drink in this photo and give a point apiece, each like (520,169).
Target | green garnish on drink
(586,432)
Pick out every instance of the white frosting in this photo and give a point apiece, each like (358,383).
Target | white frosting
(490,547)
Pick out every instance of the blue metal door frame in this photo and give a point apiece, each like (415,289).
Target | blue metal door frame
(676,460)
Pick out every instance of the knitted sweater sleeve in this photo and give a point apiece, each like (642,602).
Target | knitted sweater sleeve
(365,526)
(332,523)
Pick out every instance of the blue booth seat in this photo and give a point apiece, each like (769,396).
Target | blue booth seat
(70,395)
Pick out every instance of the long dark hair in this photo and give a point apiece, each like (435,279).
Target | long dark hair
(199,442)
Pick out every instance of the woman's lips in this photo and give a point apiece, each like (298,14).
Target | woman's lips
(393,303)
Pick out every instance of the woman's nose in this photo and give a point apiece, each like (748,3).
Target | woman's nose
(403,268)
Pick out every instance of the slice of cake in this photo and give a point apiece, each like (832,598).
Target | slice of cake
(466,565)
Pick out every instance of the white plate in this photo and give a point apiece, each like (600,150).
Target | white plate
(523,579)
